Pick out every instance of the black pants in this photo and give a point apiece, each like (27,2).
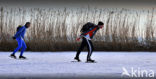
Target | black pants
(88,43)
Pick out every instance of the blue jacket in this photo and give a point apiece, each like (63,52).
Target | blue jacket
(20,33)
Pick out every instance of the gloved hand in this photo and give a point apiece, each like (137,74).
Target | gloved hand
(78,39)
(14,37)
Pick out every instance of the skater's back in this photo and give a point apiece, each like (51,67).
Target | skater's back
(20,32)
(89,30)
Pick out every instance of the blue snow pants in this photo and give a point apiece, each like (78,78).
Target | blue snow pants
(21,44)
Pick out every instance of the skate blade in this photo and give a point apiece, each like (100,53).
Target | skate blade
(12,57)
(75,61)
(90,62)
(22,58)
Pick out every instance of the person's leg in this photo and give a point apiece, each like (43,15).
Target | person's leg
(83,44)
(89,47)
(19,46)
(92,48)
(23,48)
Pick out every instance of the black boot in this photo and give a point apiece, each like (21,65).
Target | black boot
(13,56)
(77,58)
(22,57)
(90,60)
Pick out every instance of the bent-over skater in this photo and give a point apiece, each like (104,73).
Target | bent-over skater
(87,33)
(19,36)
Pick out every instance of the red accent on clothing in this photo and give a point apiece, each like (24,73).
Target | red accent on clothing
(91,32)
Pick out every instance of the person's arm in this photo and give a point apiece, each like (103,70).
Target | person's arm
(85,33)
(78,39)
(22,36)
(18,32)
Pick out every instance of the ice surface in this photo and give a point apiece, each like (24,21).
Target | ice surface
(59,64)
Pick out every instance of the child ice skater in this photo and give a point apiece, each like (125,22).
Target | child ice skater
(87,33)
(19,36)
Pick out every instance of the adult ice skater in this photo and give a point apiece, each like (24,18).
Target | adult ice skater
(87,33)
(19,36)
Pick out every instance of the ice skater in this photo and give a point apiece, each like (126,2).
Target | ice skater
(87,32)
(19,36)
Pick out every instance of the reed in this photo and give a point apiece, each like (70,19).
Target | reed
(55,29)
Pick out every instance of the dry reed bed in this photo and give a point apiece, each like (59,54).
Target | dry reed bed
(55,29)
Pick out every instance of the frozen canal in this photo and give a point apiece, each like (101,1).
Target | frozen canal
(59,65)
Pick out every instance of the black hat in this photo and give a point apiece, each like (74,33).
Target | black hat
(27,23)
(100,23)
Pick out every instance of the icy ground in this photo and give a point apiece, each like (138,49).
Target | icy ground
(59,65)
